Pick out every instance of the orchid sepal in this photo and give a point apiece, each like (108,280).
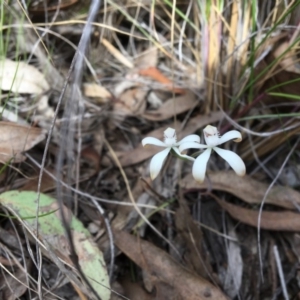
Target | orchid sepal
(235,162)
(157,162)
(230,135)
(152,141)
(199,166)
(177,153)
(190,138)
(193,145)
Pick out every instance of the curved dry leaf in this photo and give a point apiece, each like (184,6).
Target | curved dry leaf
(164,269)
(140,153)
(245,188)
(281,221)
(172,107)
(15,138)
(20,77)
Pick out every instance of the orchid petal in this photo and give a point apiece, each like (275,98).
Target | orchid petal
(170,133)
(157,162)
(184,156)
(211,136)
(153,141)
(230,135)
(189,145)
(199,167)
(235,162)
(190,138)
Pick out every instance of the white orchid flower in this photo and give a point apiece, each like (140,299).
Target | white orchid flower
(213,140)
(170,143)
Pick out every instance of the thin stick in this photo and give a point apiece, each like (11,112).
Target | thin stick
(280,273)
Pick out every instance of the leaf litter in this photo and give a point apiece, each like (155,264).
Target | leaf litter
(141,79)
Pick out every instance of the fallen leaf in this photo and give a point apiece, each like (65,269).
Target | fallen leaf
(20,77)
(94,90)
(15,138)
(270,220)
(155,74)
(172,107)
(165,270)
(245,188)
(52,232)
(140,153)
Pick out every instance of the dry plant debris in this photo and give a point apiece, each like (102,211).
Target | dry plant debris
(149,66)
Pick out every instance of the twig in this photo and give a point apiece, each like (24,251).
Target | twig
(280,273)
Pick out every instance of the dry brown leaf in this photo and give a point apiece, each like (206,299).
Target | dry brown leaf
(19,77)
(171,107)
(95,90)
(15,138)
(245,188)
(140,153)
(158,76)
(165,270)
(281,221)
